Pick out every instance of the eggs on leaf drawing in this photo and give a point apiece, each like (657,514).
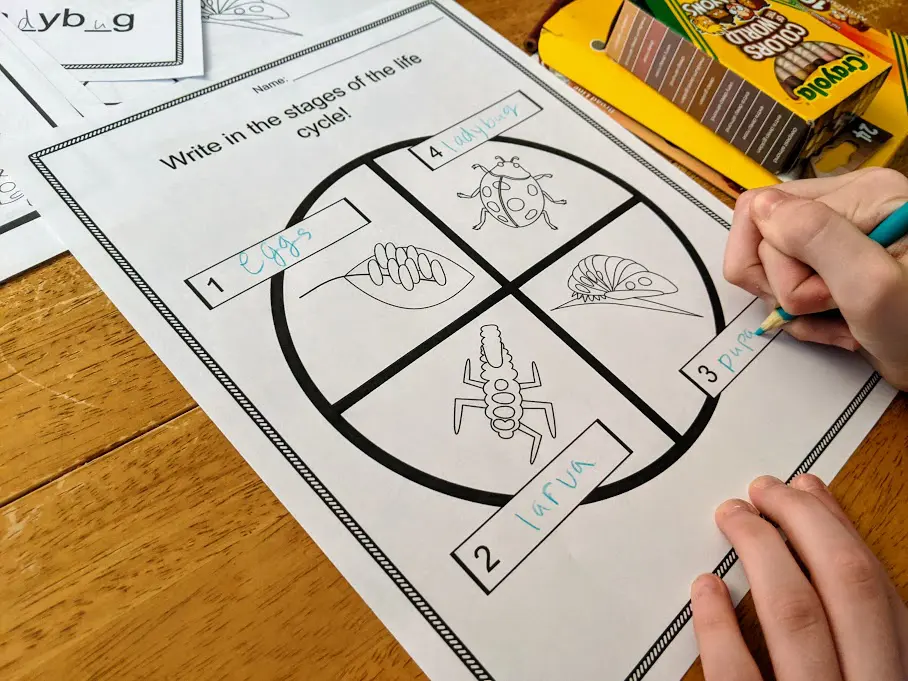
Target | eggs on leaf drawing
(406,277)
(613,280)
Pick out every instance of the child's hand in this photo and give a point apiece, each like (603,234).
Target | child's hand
(802,246)
(843,622)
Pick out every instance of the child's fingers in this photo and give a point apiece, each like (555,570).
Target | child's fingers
(869,197)
(723,652)
(823,330)
(816,488)
(742,266)
(860,274)
(798,288)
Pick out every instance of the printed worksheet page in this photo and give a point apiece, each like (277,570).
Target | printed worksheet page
(35,93)
(473,335)
(115,39)
(236,35)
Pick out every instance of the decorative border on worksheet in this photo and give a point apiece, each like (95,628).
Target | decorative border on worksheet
(407,589)
(33,215)
(176,61)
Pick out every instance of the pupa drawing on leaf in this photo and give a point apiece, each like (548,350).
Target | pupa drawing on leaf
(503,401)
(407,277)
(511,194)
(613,280)
(254,14)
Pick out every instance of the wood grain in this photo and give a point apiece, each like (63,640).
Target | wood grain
(135,543)
(75,379)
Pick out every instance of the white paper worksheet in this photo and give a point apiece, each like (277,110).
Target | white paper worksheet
(35,93)
(237,34)
(473,335)
(115,39)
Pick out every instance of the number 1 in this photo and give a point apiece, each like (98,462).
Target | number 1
(212,282)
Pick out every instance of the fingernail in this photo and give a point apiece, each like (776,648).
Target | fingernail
(807,482)
(765,481)
(703,585)
(735,506)
(765,203)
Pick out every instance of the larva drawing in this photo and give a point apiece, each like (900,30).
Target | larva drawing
(511,194)
(503,401)
(408,277)
(613,280)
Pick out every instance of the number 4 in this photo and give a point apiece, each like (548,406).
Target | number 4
(434,153)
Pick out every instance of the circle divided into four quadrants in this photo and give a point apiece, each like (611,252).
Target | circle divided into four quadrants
(397,330)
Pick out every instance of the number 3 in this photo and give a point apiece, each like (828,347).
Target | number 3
(711,375)
(489,564)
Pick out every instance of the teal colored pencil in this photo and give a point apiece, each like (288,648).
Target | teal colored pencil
(885,234)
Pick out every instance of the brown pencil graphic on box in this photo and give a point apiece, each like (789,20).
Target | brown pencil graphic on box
(806,64)
(832,47)
(788,80)
(821,52)
(808,55)
(791,68)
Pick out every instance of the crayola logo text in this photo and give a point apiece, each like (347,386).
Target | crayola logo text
(826,78)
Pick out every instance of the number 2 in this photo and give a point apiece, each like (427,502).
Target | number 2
(711,375)
(212,282)
(489,564)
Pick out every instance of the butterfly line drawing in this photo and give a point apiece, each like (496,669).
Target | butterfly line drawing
(253,14)
(613,280)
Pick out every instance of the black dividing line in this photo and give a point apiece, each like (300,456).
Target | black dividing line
(434,219)
(18,222)
(598,367)
(431,343)
(27,96)
(571,244)
(508,289)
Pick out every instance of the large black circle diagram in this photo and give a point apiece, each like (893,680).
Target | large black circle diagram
(387,459)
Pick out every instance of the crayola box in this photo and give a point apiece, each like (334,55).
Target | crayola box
(768,77)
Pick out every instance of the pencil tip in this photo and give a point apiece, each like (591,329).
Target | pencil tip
(759,332)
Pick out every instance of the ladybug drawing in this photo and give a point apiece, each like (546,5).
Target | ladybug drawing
(511,195)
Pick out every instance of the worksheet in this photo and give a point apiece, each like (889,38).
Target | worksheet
(238,34)
(115,39)
(35,93)
(472,333)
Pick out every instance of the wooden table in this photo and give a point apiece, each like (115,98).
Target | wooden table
(136,543)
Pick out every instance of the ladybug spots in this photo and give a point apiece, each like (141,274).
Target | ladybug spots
(486,192)
(501,185)
(532,214)
(515,204)
(645,281)
(502,219)
(494,207)
(630,286)
(532,189)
